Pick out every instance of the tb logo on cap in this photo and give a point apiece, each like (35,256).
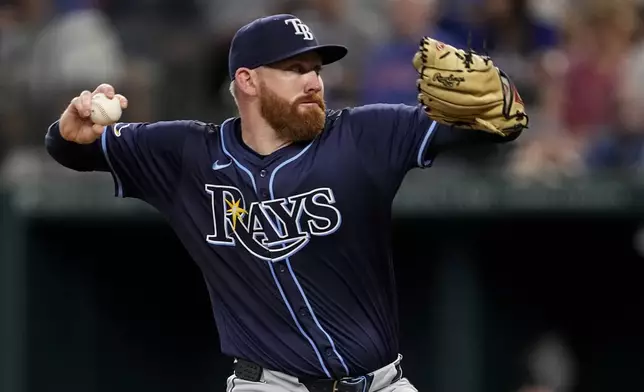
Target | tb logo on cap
(300,28)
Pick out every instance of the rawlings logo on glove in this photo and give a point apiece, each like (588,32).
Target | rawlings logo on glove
(465,89)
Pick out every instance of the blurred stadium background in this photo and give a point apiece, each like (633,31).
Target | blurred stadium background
(517,266)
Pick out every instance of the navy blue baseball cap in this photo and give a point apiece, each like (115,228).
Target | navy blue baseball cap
(275,38)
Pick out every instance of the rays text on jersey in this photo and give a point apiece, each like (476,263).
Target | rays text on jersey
(273,229)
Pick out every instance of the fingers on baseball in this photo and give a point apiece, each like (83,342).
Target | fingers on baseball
(106,89)
(83,104)
(122,100)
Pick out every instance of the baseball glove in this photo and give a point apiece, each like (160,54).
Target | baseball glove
(465,89)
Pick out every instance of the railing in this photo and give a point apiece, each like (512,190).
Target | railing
(423,192)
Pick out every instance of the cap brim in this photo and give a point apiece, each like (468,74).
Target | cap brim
(328,53)
(331,53)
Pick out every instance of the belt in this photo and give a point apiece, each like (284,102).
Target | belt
(250,371)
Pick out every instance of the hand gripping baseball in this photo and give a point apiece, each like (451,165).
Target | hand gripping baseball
(76,123)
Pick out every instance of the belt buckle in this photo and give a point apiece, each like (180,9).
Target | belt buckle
(350,384)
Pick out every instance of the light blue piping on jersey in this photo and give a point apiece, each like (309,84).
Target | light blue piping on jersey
(119,184)
(229,155)
(288,262)
(270,263)
(423,146)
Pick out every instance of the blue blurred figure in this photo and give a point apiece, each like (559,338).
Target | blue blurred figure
(388,75)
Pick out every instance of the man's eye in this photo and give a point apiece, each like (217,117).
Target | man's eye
(300,69)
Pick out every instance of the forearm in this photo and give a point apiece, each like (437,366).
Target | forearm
(449,138)
(79,157)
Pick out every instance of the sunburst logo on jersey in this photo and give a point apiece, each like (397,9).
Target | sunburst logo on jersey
(236,211)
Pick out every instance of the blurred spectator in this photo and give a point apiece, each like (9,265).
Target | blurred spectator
(19,22)
(584,121)
(600,33)
(546,160)
(77,49)
(550,366)
(621,146)
(388,75)
(333,22)
(163,42)
(510,34)
(223,18)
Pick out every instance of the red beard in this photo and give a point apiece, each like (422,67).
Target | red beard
(290,121)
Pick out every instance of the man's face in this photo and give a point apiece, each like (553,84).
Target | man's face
(291,96)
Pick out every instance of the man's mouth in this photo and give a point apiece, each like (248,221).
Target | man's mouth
(310,101)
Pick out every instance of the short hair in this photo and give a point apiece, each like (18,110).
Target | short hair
(233,90)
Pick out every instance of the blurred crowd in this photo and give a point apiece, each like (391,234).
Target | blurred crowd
(579,65)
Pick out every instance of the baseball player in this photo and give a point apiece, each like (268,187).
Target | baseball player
(286,209)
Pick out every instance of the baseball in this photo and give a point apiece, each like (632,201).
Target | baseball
(105,111)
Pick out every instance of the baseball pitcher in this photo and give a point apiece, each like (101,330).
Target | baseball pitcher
(286,208)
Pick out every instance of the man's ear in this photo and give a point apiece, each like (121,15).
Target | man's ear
(246,80)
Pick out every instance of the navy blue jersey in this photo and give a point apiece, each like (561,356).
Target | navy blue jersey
(295,247)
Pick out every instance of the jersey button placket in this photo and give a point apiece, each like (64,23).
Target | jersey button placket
(262,180)
(263,191)
(299,307)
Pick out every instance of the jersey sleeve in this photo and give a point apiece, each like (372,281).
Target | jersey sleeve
(392,139)
(145,159)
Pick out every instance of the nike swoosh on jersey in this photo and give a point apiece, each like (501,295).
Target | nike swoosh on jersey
(217,166)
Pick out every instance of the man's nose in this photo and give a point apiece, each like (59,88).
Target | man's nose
(313,83)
